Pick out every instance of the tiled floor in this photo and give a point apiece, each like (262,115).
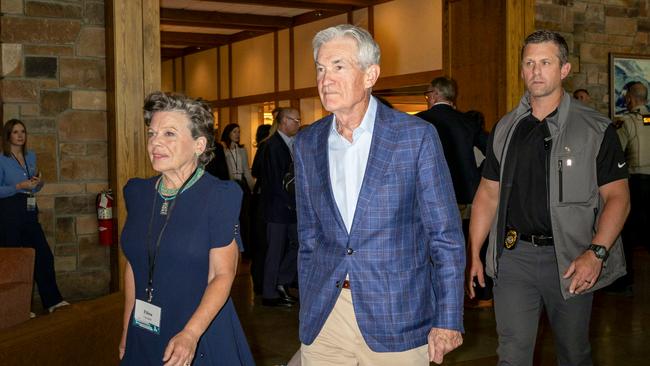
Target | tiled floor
(620,328)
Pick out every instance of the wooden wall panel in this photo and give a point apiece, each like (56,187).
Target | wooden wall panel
(520,22)
(133,65)
(475,55)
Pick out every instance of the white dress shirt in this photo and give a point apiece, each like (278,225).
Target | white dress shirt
(347,163)
(288,140)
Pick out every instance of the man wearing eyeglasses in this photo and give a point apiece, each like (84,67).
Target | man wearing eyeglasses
(280,210)
(458,134)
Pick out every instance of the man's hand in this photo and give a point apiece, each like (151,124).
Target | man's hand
(585,271)
(441,342)
(474,271)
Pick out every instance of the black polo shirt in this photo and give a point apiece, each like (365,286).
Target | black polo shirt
(528,207)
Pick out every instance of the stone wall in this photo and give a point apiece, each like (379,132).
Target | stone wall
(54,80)
(593,29)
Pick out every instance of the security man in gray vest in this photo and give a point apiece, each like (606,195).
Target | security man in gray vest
(554,197)
(634,134)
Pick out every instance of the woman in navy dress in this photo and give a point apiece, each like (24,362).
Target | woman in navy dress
(180,240)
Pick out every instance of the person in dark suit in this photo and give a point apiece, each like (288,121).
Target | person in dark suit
(459,135)
(258,224)
(382,254)
(280,210)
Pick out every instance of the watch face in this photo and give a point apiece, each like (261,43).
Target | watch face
(600,251)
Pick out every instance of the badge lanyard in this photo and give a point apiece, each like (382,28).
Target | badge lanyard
(26,166)
(152,252)
(31,200)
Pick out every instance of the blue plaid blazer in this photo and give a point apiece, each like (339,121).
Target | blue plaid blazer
(407,262)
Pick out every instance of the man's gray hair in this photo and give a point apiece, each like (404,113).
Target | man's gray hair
(368,49)
(542,36)
(445,87)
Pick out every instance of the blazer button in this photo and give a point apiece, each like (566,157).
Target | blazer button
(350,251)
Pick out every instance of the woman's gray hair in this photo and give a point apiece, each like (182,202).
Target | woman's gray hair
(198,112)
(368,49)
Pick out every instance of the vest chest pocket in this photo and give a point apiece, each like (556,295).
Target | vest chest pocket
(575,177)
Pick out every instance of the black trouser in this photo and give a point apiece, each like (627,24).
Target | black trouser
(636,224)
(280,267)
(20,228)
(258,242)
(528,281)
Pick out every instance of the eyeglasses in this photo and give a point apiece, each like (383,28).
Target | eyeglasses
(297,120)
(426,94)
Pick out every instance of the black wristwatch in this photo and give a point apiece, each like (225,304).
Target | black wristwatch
(600,251)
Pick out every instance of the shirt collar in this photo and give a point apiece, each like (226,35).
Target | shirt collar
(287,139)
(443,102)
(367,123)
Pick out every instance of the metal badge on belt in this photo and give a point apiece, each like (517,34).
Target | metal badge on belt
(511,239)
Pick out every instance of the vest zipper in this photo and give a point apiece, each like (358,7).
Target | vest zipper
(559,175)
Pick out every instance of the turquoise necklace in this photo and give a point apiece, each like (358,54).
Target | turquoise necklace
(169,194)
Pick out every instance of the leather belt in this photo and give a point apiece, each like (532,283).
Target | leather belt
(537,240)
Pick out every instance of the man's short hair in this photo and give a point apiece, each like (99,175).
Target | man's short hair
(542,36)
(638,91)
(445,87)
(368,49)
(578,91)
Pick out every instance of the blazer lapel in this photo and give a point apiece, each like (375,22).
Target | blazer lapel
(384,140)
(323,171)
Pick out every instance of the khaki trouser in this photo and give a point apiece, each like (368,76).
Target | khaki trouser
(340,343)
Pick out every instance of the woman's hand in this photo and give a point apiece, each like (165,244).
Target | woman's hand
(180,349)
(28,184)
(122,347)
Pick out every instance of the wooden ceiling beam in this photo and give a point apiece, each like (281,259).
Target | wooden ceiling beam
(222,20)
(314,16)
(337,5)
(186,23)
(193,39)
(170,53)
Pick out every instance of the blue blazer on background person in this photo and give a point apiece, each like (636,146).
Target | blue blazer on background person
(405,253)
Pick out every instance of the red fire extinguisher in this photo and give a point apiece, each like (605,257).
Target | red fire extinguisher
(105,217)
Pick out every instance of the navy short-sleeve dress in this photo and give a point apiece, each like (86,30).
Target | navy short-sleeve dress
(204,217)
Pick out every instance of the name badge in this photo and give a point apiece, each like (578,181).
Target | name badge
(147,316)
(31,203)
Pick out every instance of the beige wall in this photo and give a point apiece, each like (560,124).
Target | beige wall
(304,70)
(178,66)
(311,110)
(283,60)
(253,65)
(223,76)
(201,74)
(409,33)
(167,77)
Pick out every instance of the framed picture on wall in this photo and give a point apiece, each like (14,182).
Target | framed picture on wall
(625,69)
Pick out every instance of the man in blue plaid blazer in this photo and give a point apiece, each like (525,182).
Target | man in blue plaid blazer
(381,259)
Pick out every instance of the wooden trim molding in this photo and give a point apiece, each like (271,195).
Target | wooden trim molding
(133,70)
(388,82)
